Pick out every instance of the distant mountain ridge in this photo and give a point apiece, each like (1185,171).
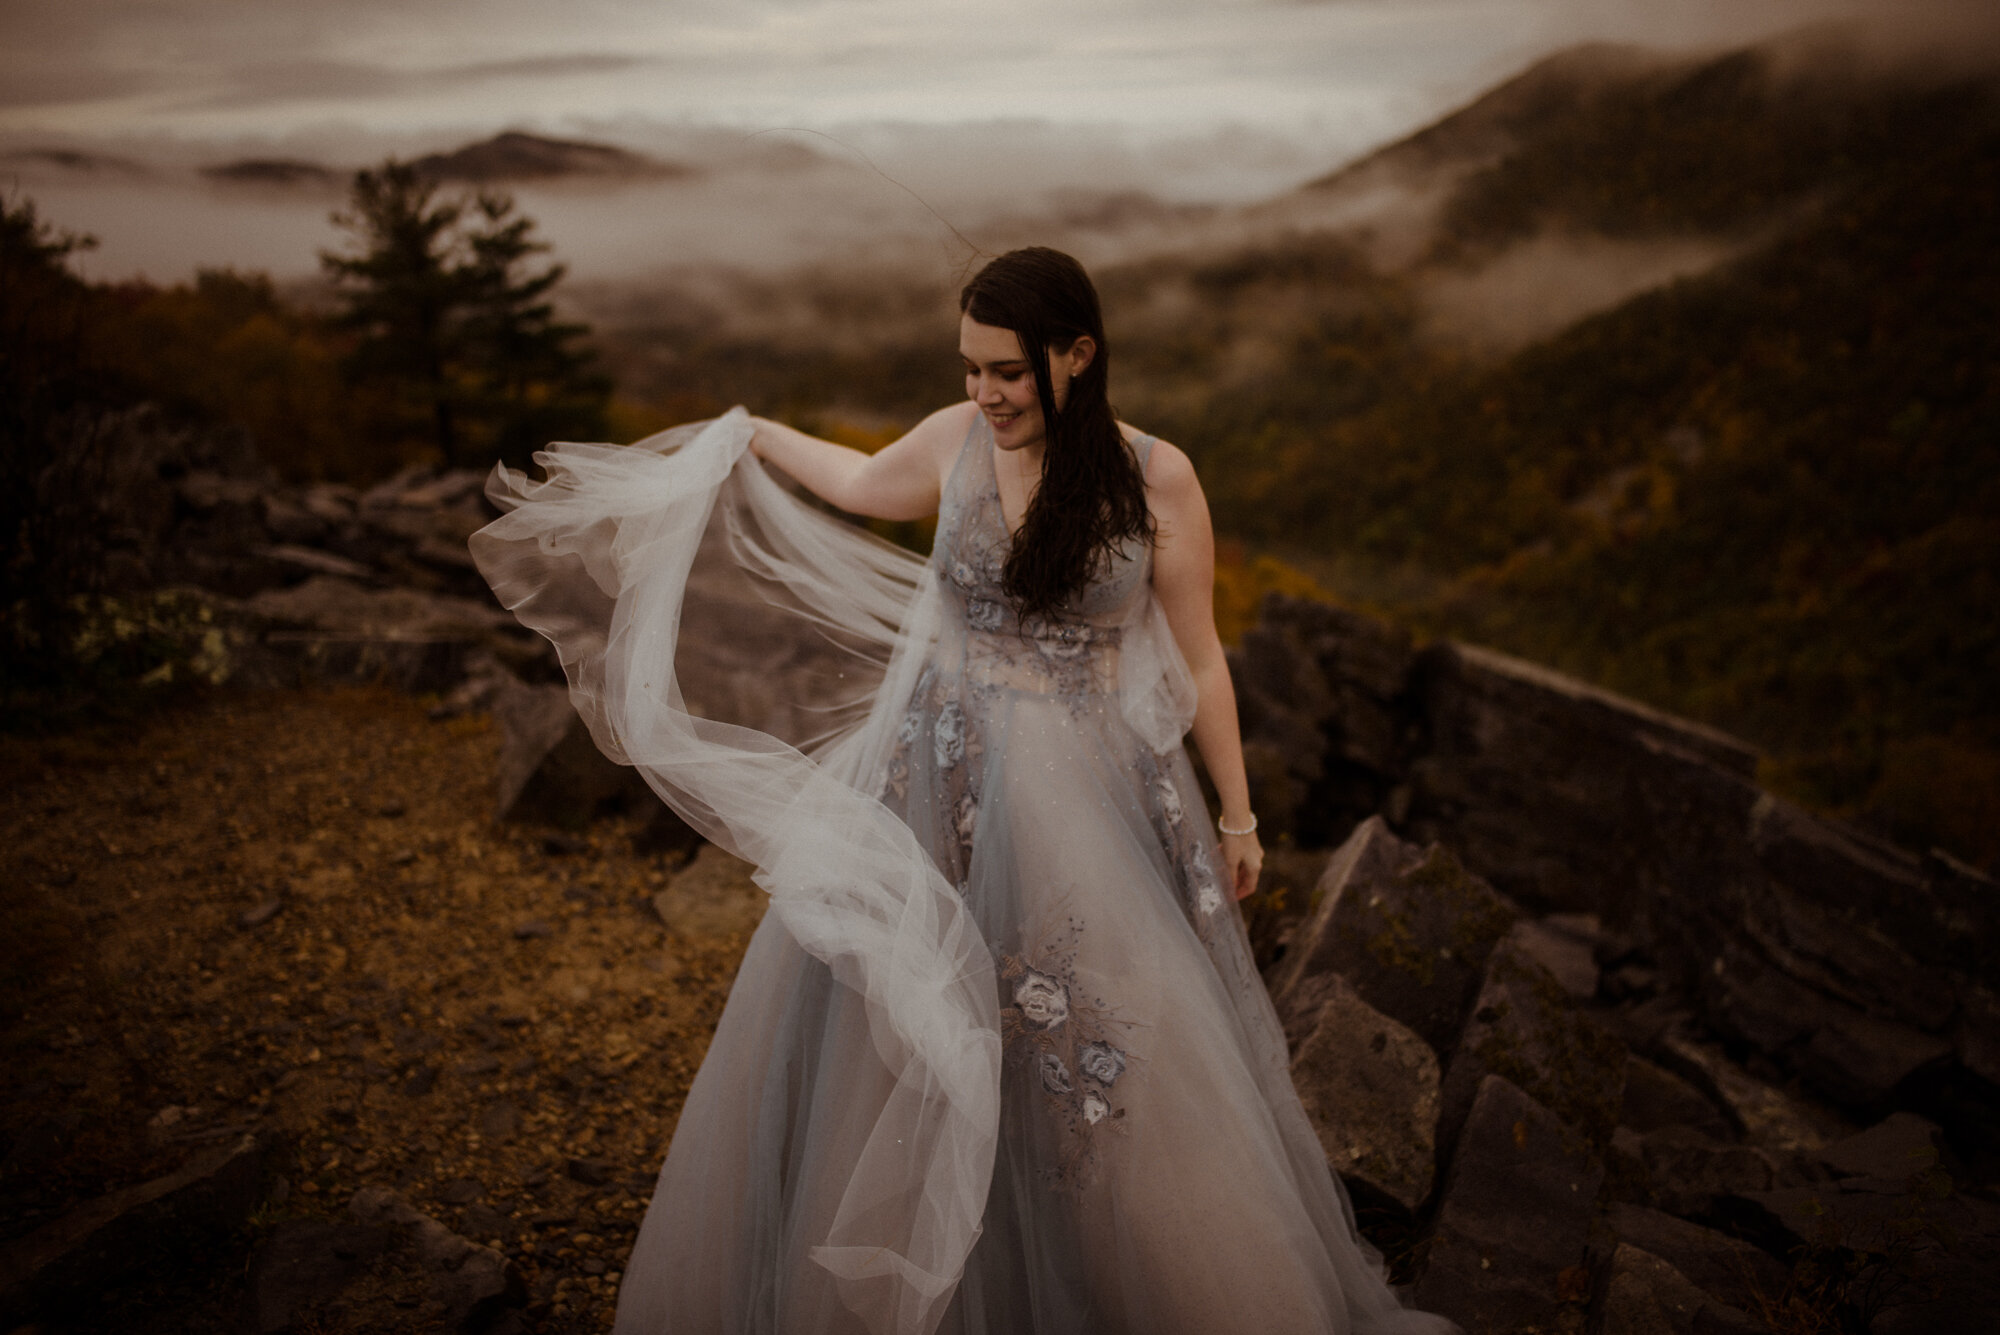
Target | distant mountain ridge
(517,156)
(1498,120)
(274,172)
(75,160)
(513,155)
(1623,141)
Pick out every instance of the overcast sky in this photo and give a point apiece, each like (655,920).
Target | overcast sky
(1357,71)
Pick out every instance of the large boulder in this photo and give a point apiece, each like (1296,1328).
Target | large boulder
(1923,1254)
(1535,778)
(1514,1216)
(97,1245)
(1655,1098)
(304,1263)
(1525,1027)
(1687,1173)
(1900,1148)
(1370,1087)
(469,1286)
(1765,1115)
(1732,1271)
(712,896)
(551,770)
(331,628)
(384,1266)
(1320,697)
(1643,1294)
(1408,928)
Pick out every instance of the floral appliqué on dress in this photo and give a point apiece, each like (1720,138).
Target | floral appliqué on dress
(953,743)
(1201,887)
(1063,1038)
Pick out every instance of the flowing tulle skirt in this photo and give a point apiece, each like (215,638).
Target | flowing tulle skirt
(997,1060)
(1153,1171)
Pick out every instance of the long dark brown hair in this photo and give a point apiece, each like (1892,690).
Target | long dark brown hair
(1092,498)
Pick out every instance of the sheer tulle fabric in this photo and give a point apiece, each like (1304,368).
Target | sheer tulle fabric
(998,1060)
(601,558)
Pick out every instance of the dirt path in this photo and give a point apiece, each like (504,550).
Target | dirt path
(493,1021)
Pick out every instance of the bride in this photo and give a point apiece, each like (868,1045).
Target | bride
(997,1061)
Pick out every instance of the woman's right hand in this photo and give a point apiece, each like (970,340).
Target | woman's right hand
(759,434)
(1243,857)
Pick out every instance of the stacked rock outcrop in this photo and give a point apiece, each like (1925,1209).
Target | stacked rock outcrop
(1853,964)
(1656,1001)
(1565,1159)
(332,583)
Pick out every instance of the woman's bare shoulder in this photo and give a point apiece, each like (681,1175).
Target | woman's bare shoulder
(951,421)
(943,432)
(1169,472)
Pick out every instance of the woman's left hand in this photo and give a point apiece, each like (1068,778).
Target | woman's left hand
(1244,857)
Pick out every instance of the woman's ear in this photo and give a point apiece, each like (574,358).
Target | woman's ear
(1080,355)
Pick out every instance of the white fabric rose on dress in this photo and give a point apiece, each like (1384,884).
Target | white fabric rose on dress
(983,614)
(907,731)
(1170,800)
(1095,1109)
(962,575)
(948,740)
(1062,642)
(1043,1001)
(1055,1076)
(1207,895)
(1101,1062)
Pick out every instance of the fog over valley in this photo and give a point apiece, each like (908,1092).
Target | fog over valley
(762,201)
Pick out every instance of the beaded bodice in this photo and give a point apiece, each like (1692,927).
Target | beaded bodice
(1073,651)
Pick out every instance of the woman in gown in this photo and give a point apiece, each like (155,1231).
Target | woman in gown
(997,1061)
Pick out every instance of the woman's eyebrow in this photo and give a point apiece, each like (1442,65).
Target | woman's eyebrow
(1011,361)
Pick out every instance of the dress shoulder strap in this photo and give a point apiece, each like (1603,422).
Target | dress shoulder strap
(962,470)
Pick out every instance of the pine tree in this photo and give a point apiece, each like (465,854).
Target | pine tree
(446,308)
(534,383)
(404,291)
(52,442)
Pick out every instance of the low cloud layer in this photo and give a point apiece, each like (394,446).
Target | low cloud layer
(1353,70)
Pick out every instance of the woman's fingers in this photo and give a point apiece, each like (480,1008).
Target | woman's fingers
(1244,857)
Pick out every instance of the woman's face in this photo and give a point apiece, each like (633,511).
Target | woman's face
(999,379)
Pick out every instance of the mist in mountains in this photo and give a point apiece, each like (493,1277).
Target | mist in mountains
(1669,370)
(649,199)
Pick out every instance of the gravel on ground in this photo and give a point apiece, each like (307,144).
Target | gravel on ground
(293,911)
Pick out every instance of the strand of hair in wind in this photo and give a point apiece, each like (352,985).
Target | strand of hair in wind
(975,252)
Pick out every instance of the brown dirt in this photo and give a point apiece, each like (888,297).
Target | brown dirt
(388,1016)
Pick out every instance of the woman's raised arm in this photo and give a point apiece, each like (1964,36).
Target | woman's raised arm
(902,480)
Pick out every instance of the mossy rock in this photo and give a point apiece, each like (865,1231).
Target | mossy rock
(1409,928)
(1526,1029)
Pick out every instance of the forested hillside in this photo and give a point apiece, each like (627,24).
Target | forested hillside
(1766,496)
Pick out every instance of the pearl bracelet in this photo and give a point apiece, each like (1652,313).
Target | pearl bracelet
(1251,828)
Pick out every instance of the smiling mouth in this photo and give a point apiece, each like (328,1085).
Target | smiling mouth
(1003,419)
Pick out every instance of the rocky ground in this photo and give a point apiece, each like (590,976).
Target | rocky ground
(289,915)
(370,1007)
(1547,1147)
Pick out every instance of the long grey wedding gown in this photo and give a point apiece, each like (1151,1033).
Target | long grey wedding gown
(998,1061)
